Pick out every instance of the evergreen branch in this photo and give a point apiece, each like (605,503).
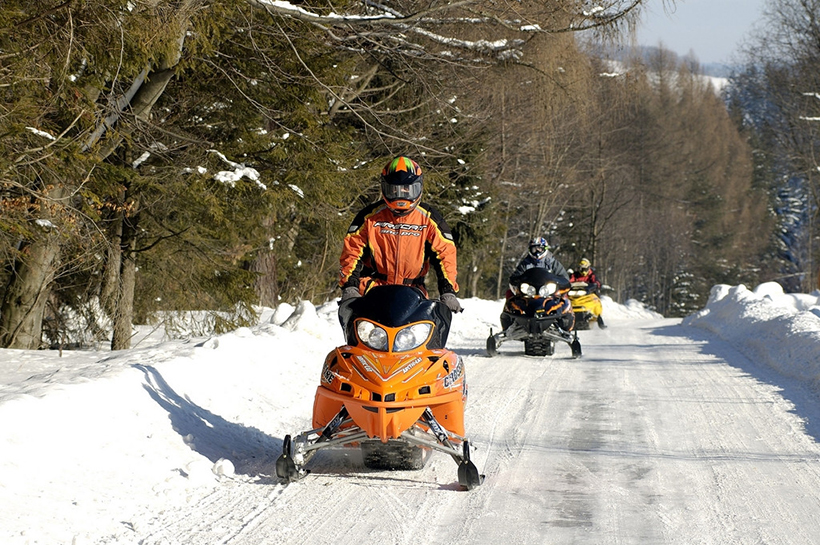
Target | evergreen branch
(160,239)
(45,14)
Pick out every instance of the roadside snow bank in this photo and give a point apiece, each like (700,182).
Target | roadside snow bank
(630,310)
(92,439)
(779,329)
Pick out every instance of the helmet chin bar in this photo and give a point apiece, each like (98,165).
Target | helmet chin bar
(401,207)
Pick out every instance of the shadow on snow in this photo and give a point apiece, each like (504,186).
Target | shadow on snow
(252,451)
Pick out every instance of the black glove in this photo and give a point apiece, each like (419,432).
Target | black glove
(451,301)
(350,293)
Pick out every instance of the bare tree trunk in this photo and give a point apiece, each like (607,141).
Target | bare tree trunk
(21,319)
(113,263)
(502,251)
(28,290)
(475,276)
(265,285)
(124,313)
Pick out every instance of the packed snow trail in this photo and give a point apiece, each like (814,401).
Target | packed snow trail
(658,434)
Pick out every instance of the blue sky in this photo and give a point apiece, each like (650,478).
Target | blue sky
(712,29)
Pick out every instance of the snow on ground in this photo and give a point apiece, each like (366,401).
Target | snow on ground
(766,325)
(91,439)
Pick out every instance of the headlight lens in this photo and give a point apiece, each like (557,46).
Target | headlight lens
(527,289)
(411,337)
(372,335)
(547,289)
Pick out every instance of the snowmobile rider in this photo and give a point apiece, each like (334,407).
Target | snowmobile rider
(397,239)
(539,255)
(586,273)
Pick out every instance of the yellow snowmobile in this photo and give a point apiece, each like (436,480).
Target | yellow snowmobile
(586,305)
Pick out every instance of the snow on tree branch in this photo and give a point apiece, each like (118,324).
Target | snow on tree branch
(546,17)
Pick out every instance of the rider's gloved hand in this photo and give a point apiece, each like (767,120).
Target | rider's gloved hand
(450,300)
(350,293)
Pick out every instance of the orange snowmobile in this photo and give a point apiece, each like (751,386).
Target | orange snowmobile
(393,390)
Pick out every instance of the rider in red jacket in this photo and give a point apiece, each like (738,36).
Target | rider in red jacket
(586,273)
(398,239)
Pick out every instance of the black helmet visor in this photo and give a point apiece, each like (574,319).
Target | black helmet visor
(410,192)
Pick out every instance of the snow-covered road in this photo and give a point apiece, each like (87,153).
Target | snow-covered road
(658,434)
(701,431)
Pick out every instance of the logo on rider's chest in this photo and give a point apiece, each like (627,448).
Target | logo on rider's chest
(400,229)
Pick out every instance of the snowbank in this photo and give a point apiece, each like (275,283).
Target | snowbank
(632,309)
(766,325)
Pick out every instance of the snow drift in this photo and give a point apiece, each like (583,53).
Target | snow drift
(766,325)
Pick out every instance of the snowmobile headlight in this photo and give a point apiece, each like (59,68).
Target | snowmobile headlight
(411,337)
(547,289)
(527,289)
(372,335)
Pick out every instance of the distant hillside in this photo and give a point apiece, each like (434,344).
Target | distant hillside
(717,70)
(646,53)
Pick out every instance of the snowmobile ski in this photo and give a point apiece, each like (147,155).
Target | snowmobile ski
(468,475)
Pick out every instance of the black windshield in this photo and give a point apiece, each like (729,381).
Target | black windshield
(395,306)
(538,276)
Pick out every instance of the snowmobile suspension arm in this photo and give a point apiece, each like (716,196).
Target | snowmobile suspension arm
(427,441)
(341,440)
(440,433)
(334,424)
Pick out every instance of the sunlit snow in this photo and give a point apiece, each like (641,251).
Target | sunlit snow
(99,446)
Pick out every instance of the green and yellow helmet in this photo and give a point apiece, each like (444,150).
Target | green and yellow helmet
(401,183)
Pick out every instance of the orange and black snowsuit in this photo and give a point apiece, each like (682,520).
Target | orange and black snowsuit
(383,248)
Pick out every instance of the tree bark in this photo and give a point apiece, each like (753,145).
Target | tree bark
(28,290)
(265,285)
(123,316)
(113,263)
(21,319)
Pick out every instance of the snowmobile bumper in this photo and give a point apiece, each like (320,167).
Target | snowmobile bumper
(388,420)
(524,328)
(426,433)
